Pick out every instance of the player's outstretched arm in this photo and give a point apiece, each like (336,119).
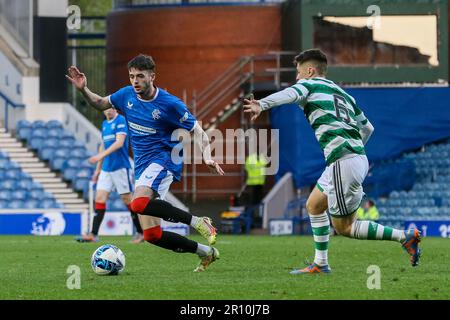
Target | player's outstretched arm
(79,80)
(202,139)
(255,107)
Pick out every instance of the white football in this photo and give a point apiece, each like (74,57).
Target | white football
(108,260)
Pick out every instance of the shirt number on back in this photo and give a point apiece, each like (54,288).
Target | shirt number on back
(341,109)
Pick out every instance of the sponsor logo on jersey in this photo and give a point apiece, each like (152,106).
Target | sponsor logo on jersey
(141,129)
(109,137)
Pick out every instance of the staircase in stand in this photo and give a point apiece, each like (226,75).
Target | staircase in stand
(40,172)
(219,106)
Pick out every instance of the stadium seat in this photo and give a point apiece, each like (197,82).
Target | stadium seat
(16,204)
(69,174)
(54,124)
(35,143)
(36,194)
(81,183)
(38,124)
(48,204)
(56,163)
(23,124)
(46,153)
(54,133)
(47,196)
(13,173)
(31,204)
(78,153)
(19,195)
(66,143)
(5,194)
(24,184)
(24,133)
(8,185)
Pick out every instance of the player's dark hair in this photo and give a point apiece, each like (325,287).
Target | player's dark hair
(314,55)
(142,62)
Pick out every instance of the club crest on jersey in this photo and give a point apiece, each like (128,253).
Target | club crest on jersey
(156,114)
(113,126)
(129,105)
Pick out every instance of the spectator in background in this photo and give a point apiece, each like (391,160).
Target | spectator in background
(255,166)
(368,211)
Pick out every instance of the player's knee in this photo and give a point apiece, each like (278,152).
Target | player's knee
(313,207)
(342,229)
(138,205)
(153,234)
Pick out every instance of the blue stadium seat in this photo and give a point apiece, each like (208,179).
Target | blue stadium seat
(78,153)
(66,143)
(118,205)
(51,142)
(35,143)
(56,162)
(47,196)
(13,174)
(37,194)
(66,135)
(16,204)
(19,195)
(31,204)
(70,173)
(81,183)
(54,133)
(24,133)
(38,124)
(4,164)
(3,204)
(36,185)
(48,204)
(72,163)
(24,184)
(23,124)
(54,124)
(84,173)
(39,132)
(46,153)
(5,194)
(3,155)
(7,185)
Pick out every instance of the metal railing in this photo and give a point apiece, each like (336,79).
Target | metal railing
(87,50)
(8,103)
(236,82)
(137,3)
(17,18)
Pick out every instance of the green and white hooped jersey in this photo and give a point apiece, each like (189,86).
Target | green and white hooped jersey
(331,112)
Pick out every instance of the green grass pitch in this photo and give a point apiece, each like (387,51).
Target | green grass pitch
(250,268)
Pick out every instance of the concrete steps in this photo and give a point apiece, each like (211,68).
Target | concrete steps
(40,172)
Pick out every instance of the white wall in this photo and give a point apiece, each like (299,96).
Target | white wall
(52,8)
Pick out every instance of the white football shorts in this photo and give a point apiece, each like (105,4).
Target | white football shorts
(120,180)
(157,178)
(342,183)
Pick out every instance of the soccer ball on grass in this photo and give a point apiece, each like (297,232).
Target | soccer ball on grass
(108,260)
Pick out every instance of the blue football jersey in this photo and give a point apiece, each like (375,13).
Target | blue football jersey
(151,125)
(118,159)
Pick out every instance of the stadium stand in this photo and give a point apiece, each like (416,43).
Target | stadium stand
(59,149)
(428,198)
(19,191)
